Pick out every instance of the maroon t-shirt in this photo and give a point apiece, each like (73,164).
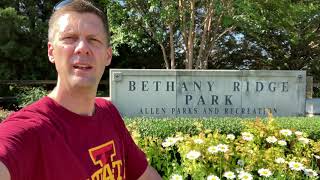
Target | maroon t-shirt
(45,141)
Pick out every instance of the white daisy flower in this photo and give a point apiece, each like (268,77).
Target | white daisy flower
(247,136)
(298,133)
(176,177)
(282,142)
(166,144)
(271,139)
(304,140)
(170,141)
(193,155)
(316,156)
(245,176)
(296,166)
(286,132)
(213,177)
(280,160)
(198,141)
(213,149)
(264,172)
(310,173)
(231,137)
(229,175)
(222,148)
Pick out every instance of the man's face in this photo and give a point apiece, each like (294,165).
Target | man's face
(79,50)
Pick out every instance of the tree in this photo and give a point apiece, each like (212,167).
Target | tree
(185,30)
(23,40)
(13,28)
(286,32)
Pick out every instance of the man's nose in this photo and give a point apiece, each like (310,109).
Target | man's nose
(82,47)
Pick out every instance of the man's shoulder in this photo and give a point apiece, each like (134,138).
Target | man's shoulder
(32,115)
(103,102)
(20,124)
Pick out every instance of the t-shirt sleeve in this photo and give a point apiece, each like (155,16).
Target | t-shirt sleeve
(17,148)
(135,159)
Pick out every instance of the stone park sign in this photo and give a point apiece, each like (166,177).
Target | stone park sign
(207,93)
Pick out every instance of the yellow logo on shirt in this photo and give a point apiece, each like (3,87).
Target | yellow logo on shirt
(104,156)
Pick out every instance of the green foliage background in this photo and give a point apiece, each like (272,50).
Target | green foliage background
(274,34)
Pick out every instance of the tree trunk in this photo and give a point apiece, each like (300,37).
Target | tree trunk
(204,38)
(191,35)
(184,31)
(173,63)
(165,56)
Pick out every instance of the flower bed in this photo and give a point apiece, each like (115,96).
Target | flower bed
(261,150)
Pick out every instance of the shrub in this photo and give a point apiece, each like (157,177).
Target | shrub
(4,114)
(168,126)
(262,150)
(163,128)
(29,95)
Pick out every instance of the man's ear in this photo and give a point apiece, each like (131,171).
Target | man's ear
(109,56)
(50,52)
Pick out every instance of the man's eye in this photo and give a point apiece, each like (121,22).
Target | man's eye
(68,38)
(93,39)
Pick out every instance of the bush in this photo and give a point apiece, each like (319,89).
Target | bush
(29,95)
(261,150)
(168,126)
(4,114)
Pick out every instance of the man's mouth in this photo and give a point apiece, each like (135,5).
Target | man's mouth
(82,67)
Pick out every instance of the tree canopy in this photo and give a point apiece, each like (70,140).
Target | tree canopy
(191,34)
(23,29)
(286,32)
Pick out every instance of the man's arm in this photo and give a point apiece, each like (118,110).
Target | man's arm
(150,174)
(4,172)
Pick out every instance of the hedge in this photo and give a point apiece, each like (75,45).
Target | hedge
(166,127)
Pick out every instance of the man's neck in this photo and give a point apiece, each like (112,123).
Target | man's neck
(75,101)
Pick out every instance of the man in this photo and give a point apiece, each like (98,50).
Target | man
(70,134)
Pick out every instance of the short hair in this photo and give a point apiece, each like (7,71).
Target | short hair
(79,6)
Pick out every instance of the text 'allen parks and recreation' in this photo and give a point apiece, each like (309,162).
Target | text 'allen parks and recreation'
(206,111)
